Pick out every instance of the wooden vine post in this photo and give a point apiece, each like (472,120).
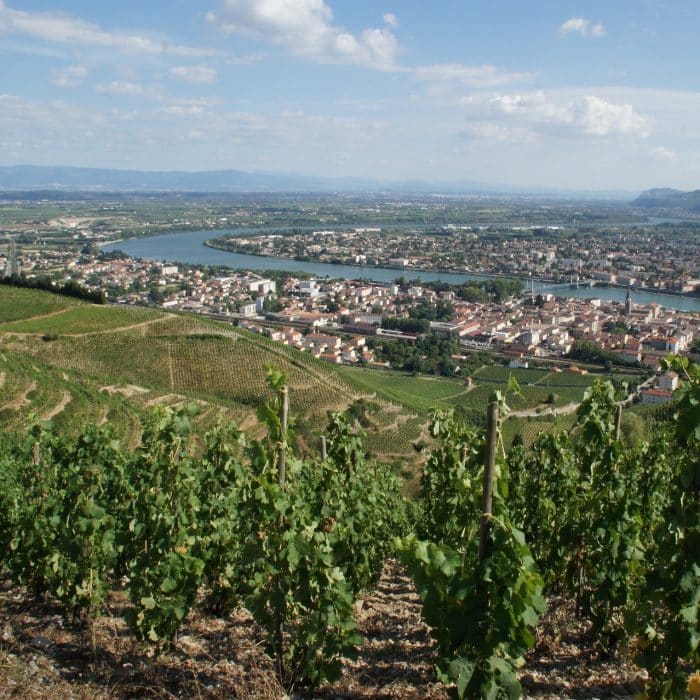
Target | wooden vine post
(282,464)
(284,414)
(324,449)
(489,470)
(618,421)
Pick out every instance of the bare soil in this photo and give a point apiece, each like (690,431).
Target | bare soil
(43,656)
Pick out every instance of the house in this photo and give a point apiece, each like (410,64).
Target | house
(247,310)
(655,397)
(668,381)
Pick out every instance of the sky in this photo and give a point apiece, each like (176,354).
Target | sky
(546,93)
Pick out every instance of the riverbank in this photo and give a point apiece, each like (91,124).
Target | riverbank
(450,271)
(435,270)
(188,248)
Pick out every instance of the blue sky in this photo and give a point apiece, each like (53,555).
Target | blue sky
(590,95)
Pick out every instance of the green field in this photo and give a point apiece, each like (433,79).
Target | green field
(84,319)
(16,304)
(501,374)
(419,394)
(569,379)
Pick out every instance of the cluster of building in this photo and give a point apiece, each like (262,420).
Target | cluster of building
(334,318)
(631,257)
(336,349)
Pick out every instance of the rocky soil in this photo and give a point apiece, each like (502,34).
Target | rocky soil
(42,656)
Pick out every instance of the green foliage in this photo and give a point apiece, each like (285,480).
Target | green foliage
(589,351)
(590,506)
(450,480)
(164,561)
(289,577)
(63,518)
(481,611)
(406,325)
(223,482)
(482,614)
(667,615)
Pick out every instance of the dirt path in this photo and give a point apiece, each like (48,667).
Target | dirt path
(21,400)
(40,316)
(142,325)
(66,398)
(128,390)
(549,411)
(163,400)
(464,391)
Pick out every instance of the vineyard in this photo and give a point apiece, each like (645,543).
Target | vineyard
(215,534)
(115,363)
(84,319)
(178,357)
(22,304)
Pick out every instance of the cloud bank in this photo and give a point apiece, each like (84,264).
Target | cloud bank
(307,28)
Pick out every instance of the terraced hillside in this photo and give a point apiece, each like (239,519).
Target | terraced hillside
(74,362)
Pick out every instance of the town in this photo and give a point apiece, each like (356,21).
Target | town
(353,322)
(618,256)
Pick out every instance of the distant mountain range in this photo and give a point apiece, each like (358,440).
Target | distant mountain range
(665,198)
(26,178)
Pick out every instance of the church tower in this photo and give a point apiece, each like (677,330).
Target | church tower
(11,267)
(628,304)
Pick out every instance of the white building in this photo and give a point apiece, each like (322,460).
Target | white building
(668,381)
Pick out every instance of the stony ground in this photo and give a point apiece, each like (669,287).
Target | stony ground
(41,656)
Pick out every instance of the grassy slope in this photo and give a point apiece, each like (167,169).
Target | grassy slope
(99,354)
(98,351)
(86,318)
(18,304)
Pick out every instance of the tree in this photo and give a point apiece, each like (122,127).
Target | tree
(156,296)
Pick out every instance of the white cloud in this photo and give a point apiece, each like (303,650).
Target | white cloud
(472,76)
(391,20)
(588,115)
(584,27)
(63,28)
(663,154)
(307,29)
(597,117)
(70,76)
(498,133)
(194,74)
(126,88)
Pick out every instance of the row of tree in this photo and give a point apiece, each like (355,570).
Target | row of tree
(67,289)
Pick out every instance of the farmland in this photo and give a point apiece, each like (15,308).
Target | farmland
(418,394)
(90,363)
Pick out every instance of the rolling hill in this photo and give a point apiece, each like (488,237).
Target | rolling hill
(72,362)
(665,198)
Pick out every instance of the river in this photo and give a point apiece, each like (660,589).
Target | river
(188,247)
